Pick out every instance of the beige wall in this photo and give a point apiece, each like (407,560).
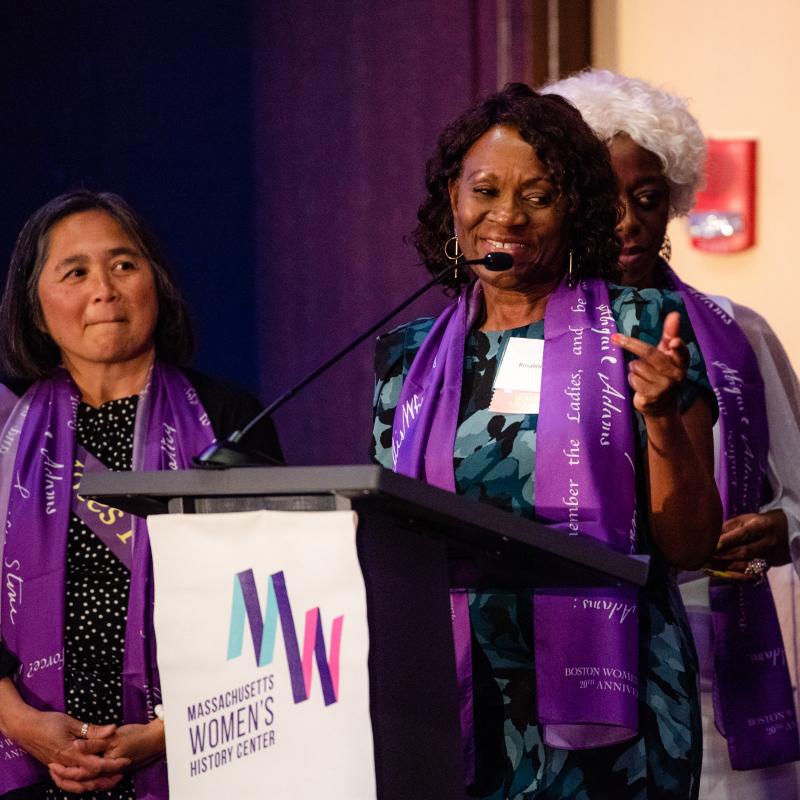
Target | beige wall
(738,63)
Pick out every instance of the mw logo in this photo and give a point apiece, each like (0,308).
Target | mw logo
(263,628)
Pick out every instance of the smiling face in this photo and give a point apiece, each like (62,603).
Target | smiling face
(97,292)
(504,200)
(644,193)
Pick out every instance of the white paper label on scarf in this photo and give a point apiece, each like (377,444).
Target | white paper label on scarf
(261,622)
(518,383)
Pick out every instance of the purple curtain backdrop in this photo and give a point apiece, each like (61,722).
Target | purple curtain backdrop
(349,100)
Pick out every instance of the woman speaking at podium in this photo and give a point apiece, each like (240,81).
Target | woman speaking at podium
(552,392)
(95,333)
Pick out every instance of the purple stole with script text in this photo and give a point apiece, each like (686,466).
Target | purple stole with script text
(38,458)
(586,639)
(753,701)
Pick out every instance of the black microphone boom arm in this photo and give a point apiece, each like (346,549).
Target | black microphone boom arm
(231,452)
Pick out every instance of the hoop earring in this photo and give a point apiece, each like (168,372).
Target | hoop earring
(457,252)
(666,248)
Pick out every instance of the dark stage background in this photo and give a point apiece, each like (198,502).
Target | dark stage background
(277,148)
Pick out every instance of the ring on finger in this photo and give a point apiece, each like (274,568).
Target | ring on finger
(84,731)
(756,568)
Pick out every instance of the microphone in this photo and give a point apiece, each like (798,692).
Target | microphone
(232,452)
(496,262)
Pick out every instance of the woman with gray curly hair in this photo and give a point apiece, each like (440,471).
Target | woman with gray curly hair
(658,154)
(651,133)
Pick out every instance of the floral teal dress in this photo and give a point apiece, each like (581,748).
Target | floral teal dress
(494,460)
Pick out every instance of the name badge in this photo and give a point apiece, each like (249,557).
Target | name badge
(518,383)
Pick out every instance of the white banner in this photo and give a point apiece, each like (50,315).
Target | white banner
(261,623)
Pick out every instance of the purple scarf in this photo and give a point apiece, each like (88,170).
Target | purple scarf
(37,452)
(586,639)
(753,703)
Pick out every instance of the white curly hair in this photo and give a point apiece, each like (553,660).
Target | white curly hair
(656,120)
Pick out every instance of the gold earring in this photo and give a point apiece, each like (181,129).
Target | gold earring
(570,273)
(666,248)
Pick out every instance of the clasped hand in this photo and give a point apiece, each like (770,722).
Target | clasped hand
(55,739)
(98,761)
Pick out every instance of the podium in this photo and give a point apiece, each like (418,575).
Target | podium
(414,542)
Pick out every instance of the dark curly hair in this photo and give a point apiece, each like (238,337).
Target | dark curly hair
(28,352)
(579,166)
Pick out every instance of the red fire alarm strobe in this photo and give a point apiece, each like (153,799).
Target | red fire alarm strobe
(723,219)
